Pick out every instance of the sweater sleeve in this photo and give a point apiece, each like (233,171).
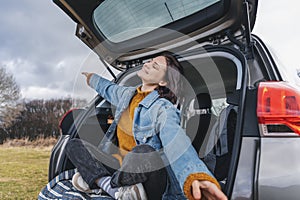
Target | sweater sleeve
(187,187)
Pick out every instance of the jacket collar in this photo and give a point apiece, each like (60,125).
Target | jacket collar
(149,99)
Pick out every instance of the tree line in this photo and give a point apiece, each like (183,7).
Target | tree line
(20,118)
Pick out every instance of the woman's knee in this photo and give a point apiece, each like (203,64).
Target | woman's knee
(72,145)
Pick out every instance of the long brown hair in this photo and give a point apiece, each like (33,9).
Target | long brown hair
(172,91)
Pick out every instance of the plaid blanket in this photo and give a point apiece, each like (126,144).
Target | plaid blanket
(61,188)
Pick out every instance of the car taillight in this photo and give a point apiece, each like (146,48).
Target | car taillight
(67,114)
(278,103)
(68,119)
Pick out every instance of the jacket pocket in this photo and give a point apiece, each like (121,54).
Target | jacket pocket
(147,135)
(143,134)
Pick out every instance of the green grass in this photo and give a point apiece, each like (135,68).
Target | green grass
(23,171)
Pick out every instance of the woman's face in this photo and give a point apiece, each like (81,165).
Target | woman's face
(154,71)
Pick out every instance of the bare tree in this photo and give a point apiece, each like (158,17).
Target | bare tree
(9,96)
(38,118)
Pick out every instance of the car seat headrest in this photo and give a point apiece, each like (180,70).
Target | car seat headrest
(203,101)
(233,98)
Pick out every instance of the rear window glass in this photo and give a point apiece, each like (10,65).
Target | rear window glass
(122,20)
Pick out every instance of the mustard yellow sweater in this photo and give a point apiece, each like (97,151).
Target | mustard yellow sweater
(124,129)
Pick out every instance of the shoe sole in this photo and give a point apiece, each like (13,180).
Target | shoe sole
(139,190)
(78,187)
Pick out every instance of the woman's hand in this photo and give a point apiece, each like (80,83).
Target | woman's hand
(85,73)
(207,190)
(88,76)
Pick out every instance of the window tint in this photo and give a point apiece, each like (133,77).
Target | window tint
(122,20)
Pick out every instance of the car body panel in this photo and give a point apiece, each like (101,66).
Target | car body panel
(244,181)
(279,168)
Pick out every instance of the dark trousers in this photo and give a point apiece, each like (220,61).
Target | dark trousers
(141,165)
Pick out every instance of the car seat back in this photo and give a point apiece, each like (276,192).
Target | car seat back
(224,136)
(199,119)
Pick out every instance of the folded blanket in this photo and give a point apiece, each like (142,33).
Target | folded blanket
(61,187)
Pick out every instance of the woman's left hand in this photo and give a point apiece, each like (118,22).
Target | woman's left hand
(207,190)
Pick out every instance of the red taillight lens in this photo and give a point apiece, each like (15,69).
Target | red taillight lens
(279,103)
(68,119)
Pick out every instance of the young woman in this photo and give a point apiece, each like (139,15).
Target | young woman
(157,158)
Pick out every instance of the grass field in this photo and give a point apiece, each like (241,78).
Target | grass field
(23,171)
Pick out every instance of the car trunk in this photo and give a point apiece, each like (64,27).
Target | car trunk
(218,71)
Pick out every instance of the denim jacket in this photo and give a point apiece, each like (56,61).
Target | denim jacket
(156,123)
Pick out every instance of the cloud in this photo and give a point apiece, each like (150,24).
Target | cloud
(35,92)
(39,48)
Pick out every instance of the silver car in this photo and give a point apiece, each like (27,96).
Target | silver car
(237,109)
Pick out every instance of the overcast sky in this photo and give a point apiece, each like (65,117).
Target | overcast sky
(38,45)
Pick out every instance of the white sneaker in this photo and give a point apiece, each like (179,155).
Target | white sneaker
(80,184)
(134,192)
